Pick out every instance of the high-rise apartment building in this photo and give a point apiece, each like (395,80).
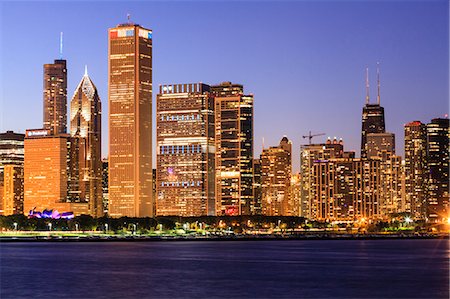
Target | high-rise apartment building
(257,186)
(11,153)
(438,135)
(130,121)
(234,150)
(416,172)
(105,185)
(85,130)
(55,97)
(276,171)
(367,189)
(295,193)
(185,154)
(47,171)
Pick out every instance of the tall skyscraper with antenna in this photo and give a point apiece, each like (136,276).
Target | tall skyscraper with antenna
(130,121)
(372,116)
(55,95)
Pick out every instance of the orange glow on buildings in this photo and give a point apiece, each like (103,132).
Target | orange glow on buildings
(130,121)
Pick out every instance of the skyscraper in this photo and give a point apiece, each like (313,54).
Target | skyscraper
(372,117)
(11,153)
(130,121)
(380,145)
(13,189)
(85,128)
(416,172)
(276,171)
(234,150)
(438,135)
(185,154)
(55,97)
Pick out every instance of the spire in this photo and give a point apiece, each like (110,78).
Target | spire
(61,45)
(378,83)
(367,85)
(85,71)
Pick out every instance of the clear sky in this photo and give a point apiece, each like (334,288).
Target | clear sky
(304,61)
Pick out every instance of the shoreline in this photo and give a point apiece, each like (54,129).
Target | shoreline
(298,237)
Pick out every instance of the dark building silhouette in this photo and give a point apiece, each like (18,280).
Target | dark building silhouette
(438,167)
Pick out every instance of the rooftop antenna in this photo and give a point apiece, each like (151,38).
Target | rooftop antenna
(61,45)
(85,71)
(367,85)
(263,143)
(378,82)
(128,17)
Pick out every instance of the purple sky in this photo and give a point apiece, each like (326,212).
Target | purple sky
(304,61)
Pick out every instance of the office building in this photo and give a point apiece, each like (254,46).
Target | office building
(47,170)
(380,145)
(372,117)
(130,121)
(257,186)
(11,153)
(438,166)
(13,189)
(185,152)
(234,150)
(105,185)
(85,131)
(416,172)
(276,171)
(55,97)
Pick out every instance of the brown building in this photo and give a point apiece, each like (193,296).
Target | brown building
(13,189)
(130,121)
(276,170)
(185,154)
(55,97)
(234,150)
(47,169)
(85,130)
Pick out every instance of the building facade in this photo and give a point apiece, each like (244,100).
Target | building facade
(185,184)
(11,153)
(47,171)
(13,189)
(416,169)
(438,136)
(234,150)
(85,131)
(55,97)
(130,121)
(276,171)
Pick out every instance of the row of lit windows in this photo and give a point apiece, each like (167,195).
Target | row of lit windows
(181,184)
(181,149)
(177,117)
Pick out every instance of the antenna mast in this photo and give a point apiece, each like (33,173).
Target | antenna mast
(378,82)
(61,45)
(367,85)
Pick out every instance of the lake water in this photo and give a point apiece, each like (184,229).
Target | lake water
(227,269)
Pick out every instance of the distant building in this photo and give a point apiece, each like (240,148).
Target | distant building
(416,172)
(13,189)
(372,118)
(11,153)
(257,186)
(380,145)
(85,128)
(105,185)
(185,152)
(438,136)
(295,193)
(47,170)
(55,97)
(234,150)
(276,171)
(130,121)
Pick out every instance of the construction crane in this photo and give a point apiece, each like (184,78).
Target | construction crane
(311,136)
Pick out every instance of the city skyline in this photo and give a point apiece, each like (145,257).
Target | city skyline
(295,82)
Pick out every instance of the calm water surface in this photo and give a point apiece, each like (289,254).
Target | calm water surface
(231,269)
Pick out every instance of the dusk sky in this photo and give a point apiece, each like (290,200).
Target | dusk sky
(304,61)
